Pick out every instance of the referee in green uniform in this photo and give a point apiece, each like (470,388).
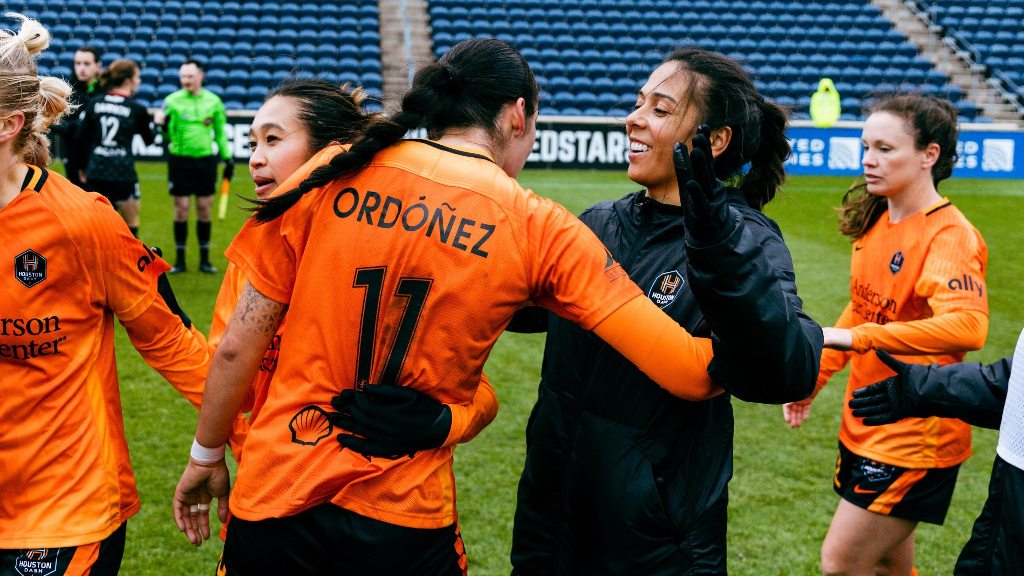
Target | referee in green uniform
(193,119)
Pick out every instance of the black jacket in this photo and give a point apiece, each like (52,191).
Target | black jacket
(618,471)
(970,391)
(976,393)
(73,149)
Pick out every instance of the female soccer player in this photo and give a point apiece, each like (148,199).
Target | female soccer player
(613,462)
(990,396)
(400,262)
(298,119)
(70,266)
(917,289)
(108,124)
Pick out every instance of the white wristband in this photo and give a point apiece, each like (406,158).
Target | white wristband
(204,455)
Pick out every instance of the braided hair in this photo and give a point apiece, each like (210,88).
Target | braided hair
(468,87)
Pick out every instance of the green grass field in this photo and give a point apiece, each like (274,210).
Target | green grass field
(781,496)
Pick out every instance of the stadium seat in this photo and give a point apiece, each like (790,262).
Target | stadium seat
(218,61)
(215,75)
(261,77)
(149,76)
(238,77)
(175,61)
(256,93)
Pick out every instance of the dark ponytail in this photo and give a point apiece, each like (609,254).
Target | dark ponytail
(727,97)
(468,87)
(114,75)
(768,163)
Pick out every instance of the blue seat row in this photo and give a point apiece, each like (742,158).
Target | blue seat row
(246,47)
(594,54)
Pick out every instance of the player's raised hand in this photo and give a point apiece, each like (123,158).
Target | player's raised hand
(705,206)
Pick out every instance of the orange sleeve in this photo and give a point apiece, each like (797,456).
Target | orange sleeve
(227,298)
(570,271)
(180,355)
(661,348)
(953,277)
(832,360)
(960,331)
(123,269)
(125,273)
(468,421)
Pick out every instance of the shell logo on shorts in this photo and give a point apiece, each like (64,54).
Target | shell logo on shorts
(30,268)
(665,288)
(309,426)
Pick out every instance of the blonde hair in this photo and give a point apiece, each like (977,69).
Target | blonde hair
(43,100)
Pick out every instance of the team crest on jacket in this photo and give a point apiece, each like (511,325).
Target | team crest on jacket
(30,268)
(896,264)
(665,288)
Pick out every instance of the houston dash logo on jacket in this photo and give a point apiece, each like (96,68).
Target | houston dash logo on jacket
(665,288)
(30,268)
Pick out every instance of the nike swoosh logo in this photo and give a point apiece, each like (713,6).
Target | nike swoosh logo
(857,248)
(859,490)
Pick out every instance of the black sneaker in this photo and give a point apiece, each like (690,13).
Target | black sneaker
(178,268)
(207,268)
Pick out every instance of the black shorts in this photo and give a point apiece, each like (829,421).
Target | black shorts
(996,546)
(97,559)
(917,494)
(187,176)
(117,192)
(327,539)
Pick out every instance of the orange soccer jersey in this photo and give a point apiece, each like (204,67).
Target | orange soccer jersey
(68,266)
(467,421)
(405,273)
(917,288)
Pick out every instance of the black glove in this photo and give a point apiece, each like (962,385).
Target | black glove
(390,421)
(229,168)
(705,207)
(887,401)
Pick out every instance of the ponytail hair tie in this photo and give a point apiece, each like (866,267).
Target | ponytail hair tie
(454,79)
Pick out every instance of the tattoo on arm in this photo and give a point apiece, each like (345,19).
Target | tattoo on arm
(257,312)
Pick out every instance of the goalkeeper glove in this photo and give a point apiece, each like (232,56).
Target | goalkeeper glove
(706,214)
(891,399)
(390,421)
